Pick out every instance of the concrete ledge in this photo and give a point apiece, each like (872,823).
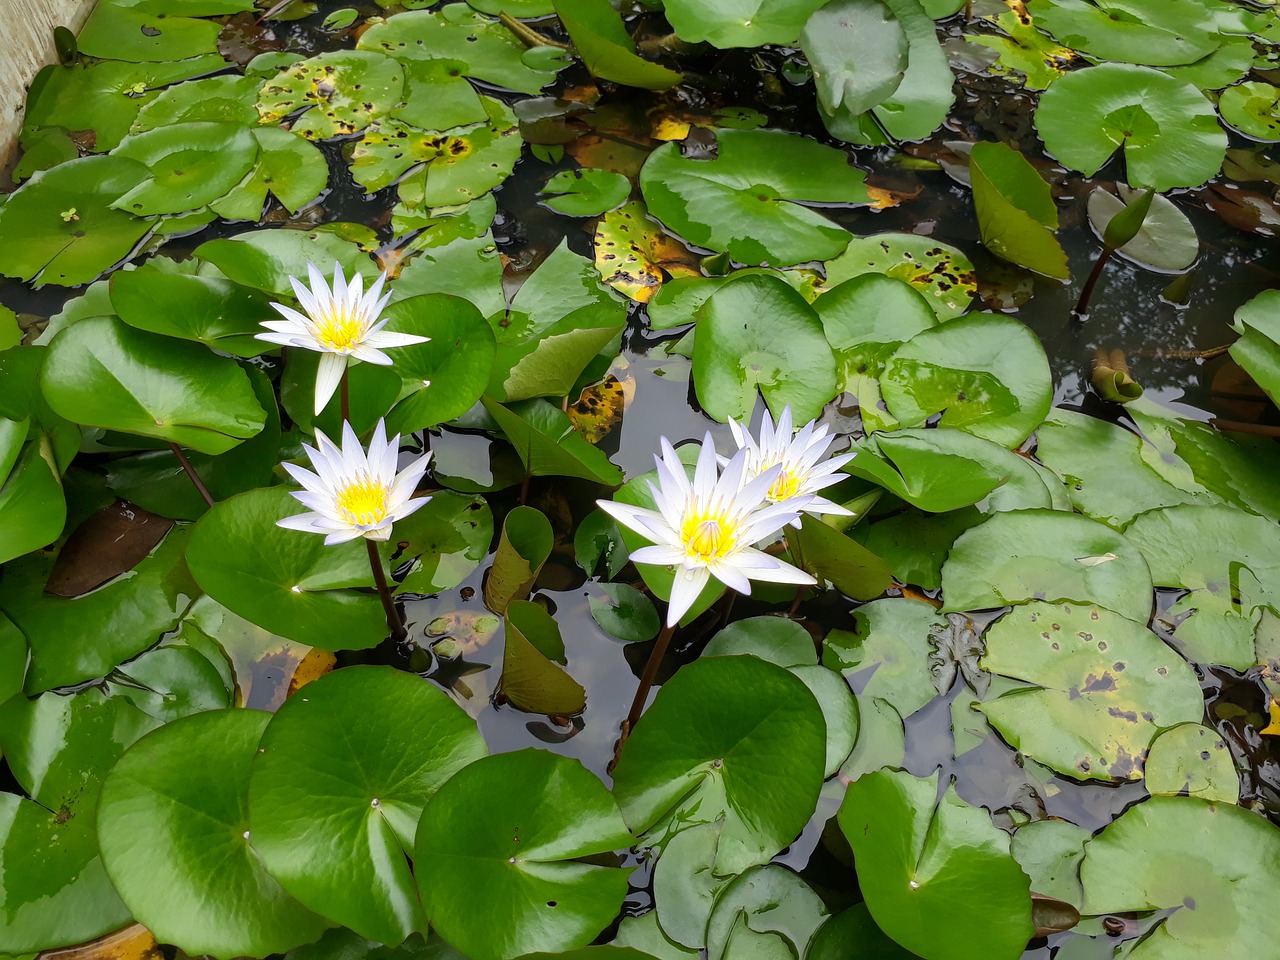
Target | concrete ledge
(26,45)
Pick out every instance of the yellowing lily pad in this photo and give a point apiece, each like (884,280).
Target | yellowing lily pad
(635,257)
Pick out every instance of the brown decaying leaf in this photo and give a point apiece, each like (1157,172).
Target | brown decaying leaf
(882,198)
(635,257)
(313,666)
(600,406)
(1272,729)
(110,542)
(1243,209)
(132,943)
(243,38)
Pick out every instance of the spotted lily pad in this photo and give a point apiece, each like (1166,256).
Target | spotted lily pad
(337,93)
(1168,130)
(887,653)
(129,30)
(749,200)
(632,253)
(1228,560)
(1192,759)
(59,226)
(1252,109)
(1208,869)
(585,193)
(1095,688)
(940,272)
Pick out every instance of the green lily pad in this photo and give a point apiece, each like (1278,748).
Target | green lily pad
(757,334)
(750,200)
(32,506)
(1211,866)
(217,313)
(437,96)
(784,642)
(1104,468)
(1252,109)
(919,860)
(14,658)
(1050,555)
(919,103)
(340,779)
(858,52)
(286,581)
(643,933)
(882,740)
(887,654)
(547,443)
(525,848)
(171,681)
(532,679)
(685,884)
(602,42)
(1258,349)
(1168,130)
(1151,32)
(338,93)
(266,259)
(1166,241)
(626,613)
(1016,212)
(761,909)
(550,363)
(941,273)
(525,545)
(739,23)
(105,97)
(1229,561)
(1095,688)
(106,626)
(191,164)
(854,925)
(1192,759)
(288,166)
(128,30)
(227,99)
(488,51)
(437,546)
(830,555)
(58,749)
(173,825)
(1049,852)
(751,750)
(107,374)
(59,227)
(586,193)
(985,373)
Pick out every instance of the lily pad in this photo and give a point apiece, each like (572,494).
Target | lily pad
(1046,555)
(887,654)
(602,42)
(985,373)
(1192,759)
(107,374)
(740,23)
(757,333)
(1095,688)
(1152,32)
(751,749)
(750,200)
(586,193)
(858,52)
(765,907)
(337,93)
(340,779)
(227,99)
(1228,560)
(919,860)
(1252,109)
(548,445)
(941,273)
(526,848)
(636,258)
(1258,349)
(59,227)
(288,166)
(1166,241)
(191,164)
(1208,868)
(128,30)
(1168,130)
(266,259)
(286,581)
(1016,213)
(626,613)
(685,884)
(531,679)
(525,545)
(173,826)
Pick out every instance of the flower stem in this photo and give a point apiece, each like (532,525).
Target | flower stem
(1081,311)
(642,692)
(527,35)
(191,472)
(394,623)
(344,395)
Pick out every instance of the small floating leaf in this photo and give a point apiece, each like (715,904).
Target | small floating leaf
(1016,213)
(1192,759)
(585,193)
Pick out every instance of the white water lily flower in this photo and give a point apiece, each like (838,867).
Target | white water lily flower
(707,528)
(341,324)
(354,494)
(801,474)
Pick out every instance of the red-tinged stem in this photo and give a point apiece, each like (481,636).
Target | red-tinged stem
(394,623)
(1081,312)
(642,692)
(191,472)
(344,395)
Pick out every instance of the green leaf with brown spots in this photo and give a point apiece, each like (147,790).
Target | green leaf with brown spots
(336,93)
(1193,759)
(1095,688)
(940,272)
(635,257)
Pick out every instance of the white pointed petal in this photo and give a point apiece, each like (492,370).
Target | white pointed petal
(759,565)
(369,355)
(381,532)
(705,474)
(684,591)
(389,339)
(288,340)
(309,480)
(408,478)
(328,376)
(640,519)
(302,521)
(409,506)
(730,575)
(659,553)
(823,505)
(341,536)
(283,326)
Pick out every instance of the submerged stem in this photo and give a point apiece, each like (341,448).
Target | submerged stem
(191,472)
(642,692)
(394,623)
(527,35)
(1081,311)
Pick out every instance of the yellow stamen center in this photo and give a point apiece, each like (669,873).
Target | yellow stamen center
(340,332)
(708,538)
(362,502)
(786,486)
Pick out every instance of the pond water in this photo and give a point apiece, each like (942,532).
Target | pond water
(1169,328)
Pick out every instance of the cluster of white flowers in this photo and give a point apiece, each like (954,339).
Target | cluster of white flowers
(709,527)
(351,493)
